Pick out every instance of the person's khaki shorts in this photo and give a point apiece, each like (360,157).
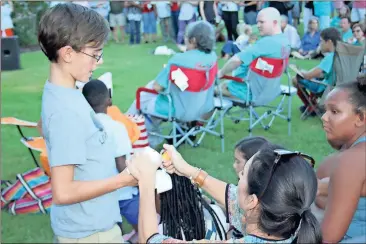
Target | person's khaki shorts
(117,20)
(113,235)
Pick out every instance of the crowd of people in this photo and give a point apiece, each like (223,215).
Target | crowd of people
(94,178)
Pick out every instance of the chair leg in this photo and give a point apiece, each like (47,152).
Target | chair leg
(250,119)
(30,150)
(289,100)
(174,133)
(222,131)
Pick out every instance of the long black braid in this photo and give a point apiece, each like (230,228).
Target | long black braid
(182,212)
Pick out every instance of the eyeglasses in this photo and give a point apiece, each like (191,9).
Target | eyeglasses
(288,154)
(96,57)
(354,31)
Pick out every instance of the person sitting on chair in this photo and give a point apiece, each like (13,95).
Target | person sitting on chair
(200,41)
(273,44)
(328,41)
(344,199)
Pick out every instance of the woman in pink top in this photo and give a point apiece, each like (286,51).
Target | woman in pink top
(358,11)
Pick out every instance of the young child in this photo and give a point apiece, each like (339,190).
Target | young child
(84,177)
(97,95)
(231,48)
(245,149)
(328,41)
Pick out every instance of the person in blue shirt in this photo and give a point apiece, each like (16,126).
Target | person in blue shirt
(322,10)
(310,41)
(328,41)
(346,30)
(273,44)
(336,21)
(200,41)
(81,154)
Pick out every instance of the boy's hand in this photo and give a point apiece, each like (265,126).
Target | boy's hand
(131,181)
(144,164)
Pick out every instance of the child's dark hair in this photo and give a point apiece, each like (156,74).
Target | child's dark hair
(97,95)
(182,211)
(357,93)
(332,34)
(250,146)
(69,24)
(286,197)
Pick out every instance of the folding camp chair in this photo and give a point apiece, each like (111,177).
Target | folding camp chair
(32,143)
(264,84)
(346,66)
(190,106)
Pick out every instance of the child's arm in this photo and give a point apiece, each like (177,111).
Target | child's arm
(314,73)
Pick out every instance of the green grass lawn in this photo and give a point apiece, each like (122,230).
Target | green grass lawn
(131,67)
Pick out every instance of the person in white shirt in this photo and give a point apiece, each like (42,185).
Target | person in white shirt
(291,33)
(231,48)
(54,3)
(97,95)
(6,21)
(163,10)
(82,3)
(101,7)
(187,15)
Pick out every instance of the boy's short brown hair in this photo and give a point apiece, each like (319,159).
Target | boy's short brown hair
(69,24)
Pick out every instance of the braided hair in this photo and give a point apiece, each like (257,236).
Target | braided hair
(182,215)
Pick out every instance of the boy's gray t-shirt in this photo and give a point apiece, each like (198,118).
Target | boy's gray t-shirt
(74,136)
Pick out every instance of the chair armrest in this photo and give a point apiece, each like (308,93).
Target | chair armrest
(236,79)
(138,95)
(319,82)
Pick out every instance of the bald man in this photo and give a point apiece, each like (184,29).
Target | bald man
(273,44)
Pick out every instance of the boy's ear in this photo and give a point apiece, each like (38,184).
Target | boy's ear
(109,102)
(66,53)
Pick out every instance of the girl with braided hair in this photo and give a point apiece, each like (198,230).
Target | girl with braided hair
(186,215)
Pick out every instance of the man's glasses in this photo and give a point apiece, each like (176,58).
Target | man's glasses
(96,57)
(286,154)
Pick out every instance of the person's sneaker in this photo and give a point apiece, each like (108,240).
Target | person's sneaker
(302,108)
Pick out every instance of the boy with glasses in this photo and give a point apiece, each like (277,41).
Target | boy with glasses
(81,154)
